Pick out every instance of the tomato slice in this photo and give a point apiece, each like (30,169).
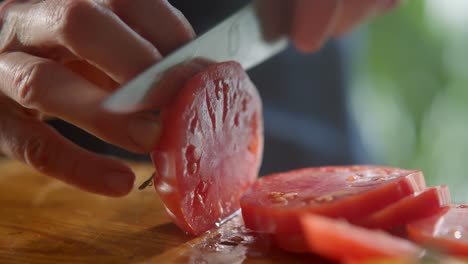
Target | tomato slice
(417,206)
(210,150)
(274,203)
(446,231)
(339,240)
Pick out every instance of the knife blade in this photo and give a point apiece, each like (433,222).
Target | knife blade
(240,37)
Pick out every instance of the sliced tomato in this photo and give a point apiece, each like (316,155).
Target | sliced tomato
(446,231)
(339,240)
(417,206)
(274,203)
(210,149)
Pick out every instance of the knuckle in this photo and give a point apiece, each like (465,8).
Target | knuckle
(69,18)
(8,37)
(27,81)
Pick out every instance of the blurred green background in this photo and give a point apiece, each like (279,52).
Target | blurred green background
(410,90)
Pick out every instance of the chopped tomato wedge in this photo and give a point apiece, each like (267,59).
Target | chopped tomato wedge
(446,231)
(339,240)
(417,206)
(211,147)
(274,203)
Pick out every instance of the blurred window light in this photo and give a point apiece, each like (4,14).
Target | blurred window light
(451,14)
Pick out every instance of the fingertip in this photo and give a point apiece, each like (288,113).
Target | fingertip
(186,31)
(105,176)
(144,132)
(307,47)
(119,183)
(313,23)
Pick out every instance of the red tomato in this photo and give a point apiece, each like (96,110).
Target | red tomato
(274,203)
(417,206)
(339,240)
(446,231)
(210,150)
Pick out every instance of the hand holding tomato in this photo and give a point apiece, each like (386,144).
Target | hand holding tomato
(61,58)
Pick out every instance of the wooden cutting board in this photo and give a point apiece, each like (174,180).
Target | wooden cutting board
(45,221)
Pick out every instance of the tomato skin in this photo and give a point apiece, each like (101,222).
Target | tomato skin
(414,207)
(211,147)
(339,240)
(446,231)
(353,199)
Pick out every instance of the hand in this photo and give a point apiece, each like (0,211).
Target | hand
(61,58)
(314,21)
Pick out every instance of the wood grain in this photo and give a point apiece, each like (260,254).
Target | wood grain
(45,221)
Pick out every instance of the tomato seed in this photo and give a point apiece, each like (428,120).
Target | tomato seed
(324,198)
(350,178)
(280,200)
(290,196)
(219,86)
(275,194)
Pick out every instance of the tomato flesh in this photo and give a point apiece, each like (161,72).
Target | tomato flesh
(446,231)
(339,240)
(211,146)
(417,206)
(274,203)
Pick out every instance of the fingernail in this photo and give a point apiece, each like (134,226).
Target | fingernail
(120,183)
(145,132)
(330,19)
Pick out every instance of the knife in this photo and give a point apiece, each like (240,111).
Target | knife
(242,37)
